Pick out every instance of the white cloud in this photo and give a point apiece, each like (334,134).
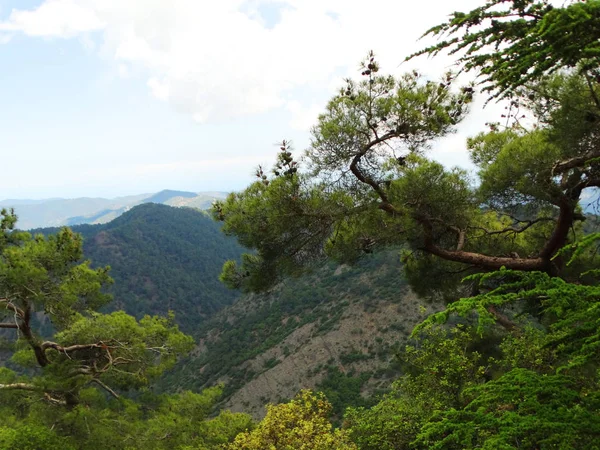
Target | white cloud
(219,60)
(196,167)
(54,18)
(303,117)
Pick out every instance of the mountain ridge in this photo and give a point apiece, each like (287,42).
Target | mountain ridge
(56,212)
(162,259)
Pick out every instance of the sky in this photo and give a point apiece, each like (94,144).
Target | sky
(103,98)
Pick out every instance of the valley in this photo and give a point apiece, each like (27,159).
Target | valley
(407,269)
(345,321)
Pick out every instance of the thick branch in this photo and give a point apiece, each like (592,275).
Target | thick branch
(24,316)
(9,325)
(572,163)
(567,213)
(55,401)
(72,348)
(501,319)
(25,329)
(560,234)
(592,90)
(589,182)
(477,259)
(486,261)
(8,304)
(33,388)
(386,205)
(461,240)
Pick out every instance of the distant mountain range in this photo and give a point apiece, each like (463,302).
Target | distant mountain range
(56,212)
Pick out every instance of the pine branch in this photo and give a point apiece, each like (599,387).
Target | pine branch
(105,387)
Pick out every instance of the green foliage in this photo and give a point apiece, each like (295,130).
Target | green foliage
(163,259)
(521,409)
(391,424)
(512,43)
(343,390)
(437,371)
(31,437)
(145,349)
(532,383)
(301,423)
(335,208)
(151,423)
(45,274)
(513,364)
(263,321)
(261,218)
(58,398)
(407,112)
(572,309)
(8,235)
(368,186)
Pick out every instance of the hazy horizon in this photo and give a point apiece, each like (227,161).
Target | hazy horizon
(104,99)
(134,194)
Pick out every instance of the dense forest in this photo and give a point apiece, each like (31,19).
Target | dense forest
(162,259)
(156,250)
(337,329)
(512,360)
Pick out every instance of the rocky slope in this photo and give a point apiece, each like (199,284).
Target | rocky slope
(343,322)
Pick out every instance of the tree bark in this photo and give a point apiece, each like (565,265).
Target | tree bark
(560,234)
(34,343)
(501,319)
(19,386)
(486,261)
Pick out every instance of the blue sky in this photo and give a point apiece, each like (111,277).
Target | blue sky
(116,97)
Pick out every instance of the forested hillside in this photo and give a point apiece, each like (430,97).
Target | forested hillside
(338,328)
(501,352)
(162,259)
(168,259)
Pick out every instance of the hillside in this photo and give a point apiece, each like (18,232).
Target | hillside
(162,259)
(337,329)
(57,212)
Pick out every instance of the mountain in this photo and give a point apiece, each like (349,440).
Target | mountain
(202,200)
(57,212)
(103,216)
(163,259)
(166,195)
(337,329)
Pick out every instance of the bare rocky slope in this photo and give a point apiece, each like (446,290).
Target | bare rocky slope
(339,329)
